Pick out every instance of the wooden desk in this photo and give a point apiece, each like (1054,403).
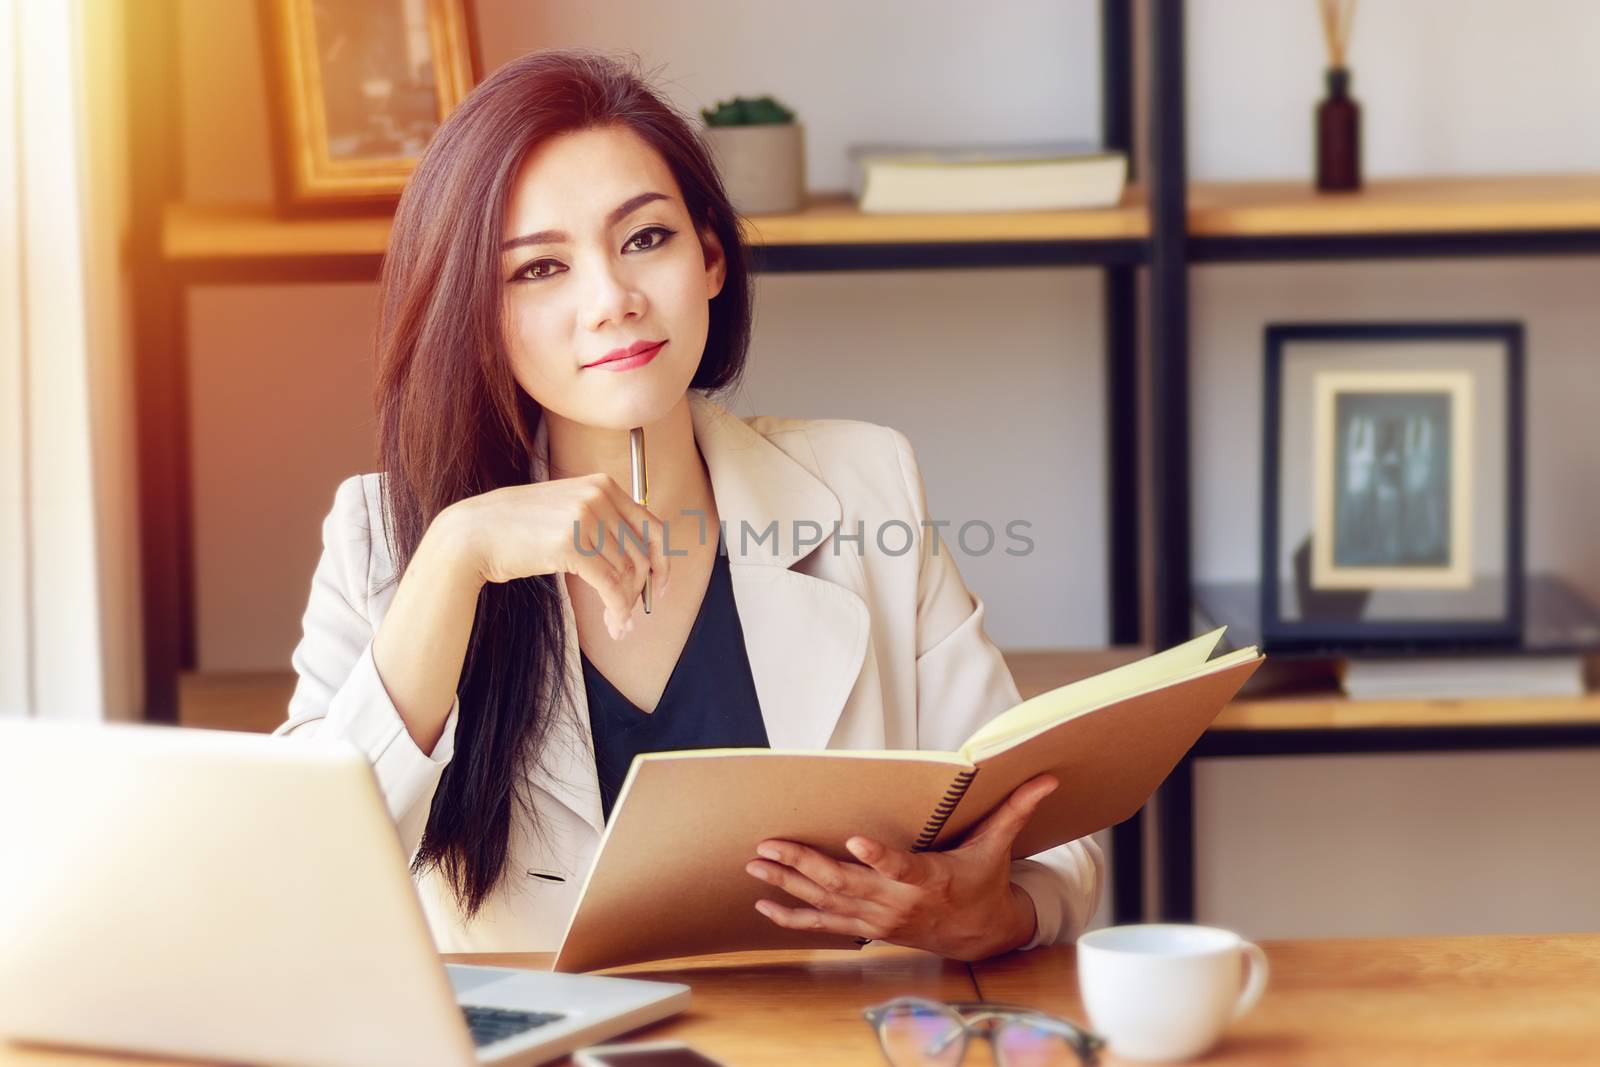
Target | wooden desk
(1413,1002)
(1457,1001)
(792,1008)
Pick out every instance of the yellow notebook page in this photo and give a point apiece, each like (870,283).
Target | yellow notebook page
(1097,691)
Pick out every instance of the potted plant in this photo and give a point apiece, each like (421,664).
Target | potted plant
(760,150)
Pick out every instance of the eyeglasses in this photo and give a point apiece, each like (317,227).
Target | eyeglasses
(916,1032)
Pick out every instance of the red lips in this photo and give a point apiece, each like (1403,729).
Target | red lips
(623,353)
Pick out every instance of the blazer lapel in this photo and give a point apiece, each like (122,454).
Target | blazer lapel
(806,637)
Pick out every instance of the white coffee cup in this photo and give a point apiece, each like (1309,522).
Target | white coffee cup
(1166,991)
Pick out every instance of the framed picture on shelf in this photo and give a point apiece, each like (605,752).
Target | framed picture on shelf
(1392,485)
(355,89)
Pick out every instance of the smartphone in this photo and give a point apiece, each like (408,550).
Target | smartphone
(643,1054)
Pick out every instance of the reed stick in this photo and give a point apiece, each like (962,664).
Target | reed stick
(1337,18)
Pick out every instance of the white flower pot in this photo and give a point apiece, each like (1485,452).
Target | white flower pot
(763,167)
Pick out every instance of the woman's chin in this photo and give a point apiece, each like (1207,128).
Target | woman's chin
(632,407)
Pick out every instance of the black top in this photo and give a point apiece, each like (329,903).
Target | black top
(709,701)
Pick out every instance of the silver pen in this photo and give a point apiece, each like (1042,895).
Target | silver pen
(641,493)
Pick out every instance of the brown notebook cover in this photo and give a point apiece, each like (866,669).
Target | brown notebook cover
(669,878)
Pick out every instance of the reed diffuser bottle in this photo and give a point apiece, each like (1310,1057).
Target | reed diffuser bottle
(1338,116)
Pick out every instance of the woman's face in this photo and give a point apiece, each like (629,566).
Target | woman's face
(604,280)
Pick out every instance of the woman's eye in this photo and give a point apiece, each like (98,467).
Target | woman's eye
(662,230)
(531,271)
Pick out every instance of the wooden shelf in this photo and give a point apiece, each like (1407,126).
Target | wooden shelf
(1333,711)
(1036,671)
(1396,206)
(245,233)
(832,218)
(248,232)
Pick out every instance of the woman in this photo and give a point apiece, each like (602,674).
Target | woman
(475,622)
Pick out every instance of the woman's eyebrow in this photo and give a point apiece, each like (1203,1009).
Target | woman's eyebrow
(550,237)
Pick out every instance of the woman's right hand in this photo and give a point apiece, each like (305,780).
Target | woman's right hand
(567,526)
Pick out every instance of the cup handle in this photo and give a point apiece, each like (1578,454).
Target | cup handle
(1256,983)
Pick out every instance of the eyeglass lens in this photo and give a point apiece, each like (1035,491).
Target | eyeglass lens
(1018,1044)
(917,1035)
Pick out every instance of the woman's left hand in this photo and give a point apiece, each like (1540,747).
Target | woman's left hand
(959,903)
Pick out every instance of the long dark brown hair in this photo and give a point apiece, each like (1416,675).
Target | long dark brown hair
(454,422)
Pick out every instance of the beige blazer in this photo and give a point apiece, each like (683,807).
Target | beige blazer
(850,646)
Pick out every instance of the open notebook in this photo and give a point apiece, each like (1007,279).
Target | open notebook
(669,878)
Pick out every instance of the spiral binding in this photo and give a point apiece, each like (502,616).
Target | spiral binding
(946,808)
(941,815)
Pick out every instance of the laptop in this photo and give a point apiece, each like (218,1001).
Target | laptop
(225,896)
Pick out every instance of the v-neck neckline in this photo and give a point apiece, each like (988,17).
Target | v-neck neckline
(717,562)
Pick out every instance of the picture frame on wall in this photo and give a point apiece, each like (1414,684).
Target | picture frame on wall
(1392,485)
(355,89)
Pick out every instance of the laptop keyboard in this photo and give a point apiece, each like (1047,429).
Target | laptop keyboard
(489,1025)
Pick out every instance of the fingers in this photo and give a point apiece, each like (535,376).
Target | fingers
(604,564)
(629,539)
(1002,825)
(906,868)
(604,579)
(652,534)
(810,919)
(609,538)
(634,553)
(804,889)
(819,879)
(596,534)
(645,536)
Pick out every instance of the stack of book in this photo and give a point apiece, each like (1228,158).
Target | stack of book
(1462,677)
(1561,630)
(1015,176)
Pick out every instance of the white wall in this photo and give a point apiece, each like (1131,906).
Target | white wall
(1365,846)
(923,350)
(1446,87)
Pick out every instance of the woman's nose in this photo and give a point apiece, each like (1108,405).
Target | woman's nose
(613,296)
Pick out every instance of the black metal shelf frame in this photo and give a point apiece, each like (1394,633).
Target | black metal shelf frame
(1436,245)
